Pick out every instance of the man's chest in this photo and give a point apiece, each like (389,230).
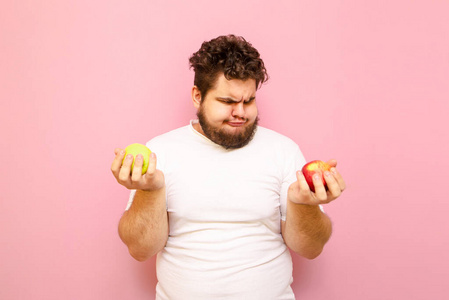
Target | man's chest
(223,188)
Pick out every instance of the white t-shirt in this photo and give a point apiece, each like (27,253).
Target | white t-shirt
(225,209)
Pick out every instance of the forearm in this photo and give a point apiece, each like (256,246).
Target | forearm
(306,230)
(144,227)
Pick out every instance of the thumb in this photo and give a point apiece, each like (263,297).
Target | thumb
(117,150)
(332,162)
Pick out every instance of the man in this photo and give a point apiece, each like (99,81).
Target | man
(224,199)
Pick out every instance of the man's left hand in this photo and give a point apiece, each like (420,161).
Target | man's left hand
(300,193)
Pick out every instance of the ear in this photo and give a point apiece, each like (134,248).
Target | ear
(196,97)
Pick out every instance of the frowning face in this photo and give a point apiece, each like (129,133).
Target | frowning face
(228,113)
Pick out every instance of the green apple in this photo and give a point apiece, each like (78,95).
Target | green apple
(135,149)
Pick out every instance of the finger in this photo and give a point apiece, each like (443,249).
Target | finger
(338,178)
(137,168)
(302,183)
(117,162)
(332,184)
(125,171)
(152,163)
(320,190)
(149,175)
(332,162)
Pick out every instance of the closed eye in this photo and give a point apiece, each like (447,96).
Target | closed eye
(227,100)
(233,101)
(250,100)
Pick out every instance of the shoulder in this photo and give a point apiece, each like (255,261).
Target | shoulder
(280,145)
(265,135)
(170,135)
(167,145)
(168,139)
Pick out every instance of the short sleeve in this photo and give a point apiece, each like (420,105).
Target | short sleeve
(293,163)
(130,199)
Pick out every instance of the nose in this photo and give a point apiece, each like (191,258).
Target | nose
(238,110)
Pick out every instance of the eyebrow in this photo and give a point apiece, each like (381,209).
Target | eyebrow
(230,99)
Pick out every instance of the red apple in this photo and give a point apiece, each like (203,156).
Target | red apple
(313,167)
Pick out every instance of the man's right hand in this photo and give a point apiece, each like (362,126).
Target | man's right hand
(152,180)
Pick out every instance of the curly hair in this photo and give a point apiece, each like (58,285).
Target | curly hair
(231,55)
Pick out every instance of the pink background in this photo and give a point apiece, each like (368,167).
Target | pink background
(366,82)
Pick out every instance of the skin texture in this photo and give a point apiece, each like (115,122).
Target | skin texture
(307,229)
(144,227)
(229,108)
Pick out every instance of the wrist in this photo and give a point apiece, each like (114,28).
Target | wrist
(151,198)
(308,204)
(305,208)
(152,190)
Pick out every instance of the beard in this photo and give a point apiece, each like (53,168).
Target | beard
(225,139)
